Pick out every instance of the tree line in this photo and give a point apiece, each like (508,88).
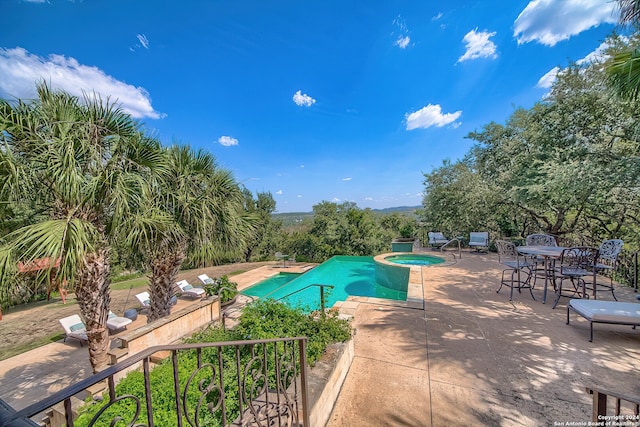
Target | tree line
(568,166)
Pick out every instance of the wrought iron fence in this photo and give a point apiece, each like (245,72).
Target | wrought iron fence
(237,383)
(626,272)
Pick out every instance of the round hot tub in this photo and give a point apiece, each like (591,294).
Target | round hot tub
(414,259)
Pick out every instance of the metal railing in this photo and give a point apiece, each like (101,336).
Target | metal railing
(238,383)
(456,240)
(626,271)
(624,411)
(322,298)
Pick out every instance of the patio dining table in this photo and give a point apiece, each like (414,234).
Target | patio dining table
(549,254)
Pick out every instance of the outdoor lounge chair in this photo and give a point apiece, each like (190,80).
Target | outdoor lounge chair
(205,279)
(115,322)
(479,240)
(144,299)
(188,290)
(437,239)
(74,328)
(612,312)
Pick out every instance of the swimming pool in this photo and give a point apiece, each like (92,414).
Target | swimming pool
(350,276)
(414,259)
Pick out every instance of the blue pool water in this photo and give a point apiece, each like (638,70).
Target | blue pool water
(414,259)
(349,275)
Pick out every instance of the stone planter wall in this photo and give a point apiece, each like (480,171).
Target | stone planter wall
(326,379)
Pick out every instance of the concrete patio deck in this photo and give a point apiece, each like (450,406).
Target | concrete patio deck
(470,357)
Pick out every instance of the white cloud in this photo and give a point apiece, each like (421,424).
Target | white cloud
(347,179)
(279,192)
(597,55)
(303,99)
(403,39)
(431,115)
(438,16)
(551,21)
(547,80)
(301,166)
(299,196)
(144,41)
(20,70)
(478,45)
(227,141)
(368,199)
(403,42)
(335,200)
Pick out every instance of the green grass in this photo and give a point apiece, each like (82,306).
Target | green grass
(131,283)
(6,353)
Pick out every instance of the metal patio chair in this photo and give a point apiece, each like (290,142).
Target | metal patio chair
(515,263)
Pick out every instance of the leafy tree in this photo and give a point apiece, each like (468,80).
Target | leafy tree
(565,157)
(344,229)
(195,208)
(71,161)
(263,242)
(457,201)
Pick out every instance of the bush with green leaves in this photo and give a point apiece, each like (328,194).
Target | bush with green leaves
(260,320)
(222,286)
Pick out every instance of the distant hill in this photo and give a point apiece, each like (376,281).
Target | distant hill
(292,218)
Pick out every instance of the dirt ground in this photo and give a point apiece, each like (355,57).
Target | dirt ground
(38,321)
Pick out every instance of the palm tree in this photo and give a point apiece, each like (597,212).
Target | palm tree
(623,67)
(194,210)
(70,160)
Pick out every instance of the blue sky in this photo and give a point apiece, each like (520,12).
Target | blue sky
(310,100)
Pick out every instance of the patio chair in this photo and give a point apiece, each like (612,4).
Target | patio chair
(607,261)
(144,299)
(74,328)
(576,264)
(190,291)
(510,258)
(437,239)
(479,240)
(205,279)
(115,322)
(539,263)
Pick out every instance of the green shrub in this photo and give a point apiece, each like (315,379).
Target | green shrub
(225,287)
(261,320)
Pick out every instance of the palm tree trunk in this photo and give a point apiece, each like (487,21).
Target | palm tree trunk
(92,293)
(164,270)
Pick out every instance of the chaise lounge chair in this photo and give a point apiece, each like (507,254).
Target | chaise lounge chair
(190,291)
(612,312)
(115,322)
(144,299)
(205,279)
(74,328)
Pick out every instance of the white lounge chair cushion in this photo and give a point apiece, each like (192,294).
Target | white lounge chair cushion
(607,311)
